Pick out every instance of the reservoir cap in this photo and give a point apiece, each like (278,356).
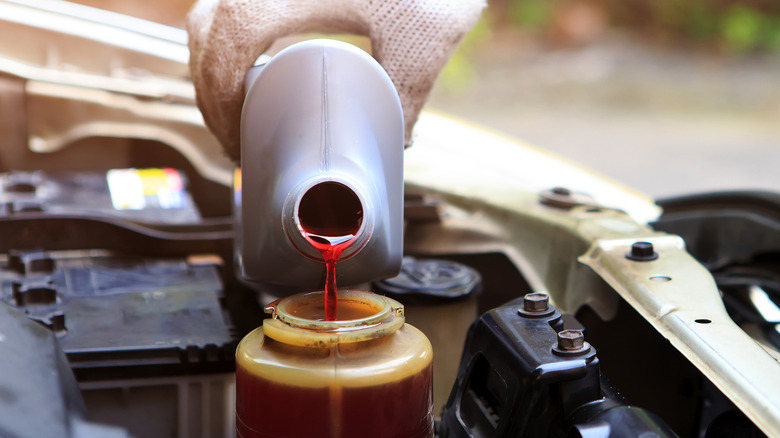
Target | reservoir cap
(431,281)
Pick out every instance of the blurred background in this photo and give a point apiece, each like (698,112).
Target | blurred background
(667,96)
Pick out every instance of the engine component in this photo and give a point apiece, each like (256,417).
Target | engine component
(523,373)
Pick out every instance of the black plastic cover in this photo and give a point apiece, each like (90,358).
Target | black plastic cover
(118,317)
(38,395)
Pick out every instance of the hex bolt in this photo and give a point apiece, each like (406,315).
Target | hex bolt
(536,302)
(570,340)
(642,249)
(642,252)
(536,305)
(562,197)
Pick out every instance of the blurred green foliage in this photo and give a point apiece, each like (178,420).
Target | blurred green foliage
(742,28)
(532,14)
(734,26)
(459,71)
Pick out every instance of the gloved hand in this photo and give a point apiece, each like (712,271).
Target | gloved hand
(411,39)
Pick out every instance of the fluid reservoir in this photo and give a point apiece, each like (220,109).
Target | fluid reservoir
(369,374)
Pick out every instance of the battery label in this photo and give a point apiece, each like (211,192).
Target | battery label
(137,189)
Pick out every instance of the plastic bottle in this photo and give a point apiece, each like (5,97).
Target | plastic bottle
(321,117)
(366,375)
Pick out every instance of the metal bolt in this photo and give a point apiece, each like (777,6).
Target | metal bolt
(536,302)
(642,249)
(570,340)
(562,197)
(642,252)
(536,305)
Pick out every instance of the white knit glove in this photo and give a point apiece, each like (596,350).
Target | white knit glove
(411,39)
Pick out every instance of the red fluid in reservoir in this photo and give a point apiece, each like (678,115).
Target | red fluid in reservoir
(398,409)
(330,215)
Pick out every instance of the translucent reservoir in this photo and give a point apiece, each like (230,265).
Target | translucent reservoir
(367,374)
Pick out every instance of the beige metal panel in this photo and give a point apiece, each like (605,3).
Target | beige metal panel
(65,36)
(59,115)
(492,183)
(85,74)
(679,298)
(449,154)
(13,124)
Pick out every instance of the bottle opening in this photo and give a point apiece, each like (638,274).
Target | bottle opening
(330,209)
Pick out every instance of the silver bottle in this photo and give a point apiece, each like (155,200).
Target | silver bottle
(320,114)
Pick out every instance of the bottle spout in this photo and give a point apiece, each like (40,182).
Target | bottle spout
(329,213)
(330,217)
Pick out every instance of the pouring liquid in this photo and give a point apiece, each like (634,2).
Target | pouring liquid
(330,216)
(331,249)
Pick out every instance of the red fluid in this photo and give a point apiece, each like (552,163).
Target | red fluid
(330,215)
(268,409)
(331,249)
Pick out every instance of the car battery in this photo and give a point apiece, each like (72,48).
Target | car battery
(156,195)
(145,337)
